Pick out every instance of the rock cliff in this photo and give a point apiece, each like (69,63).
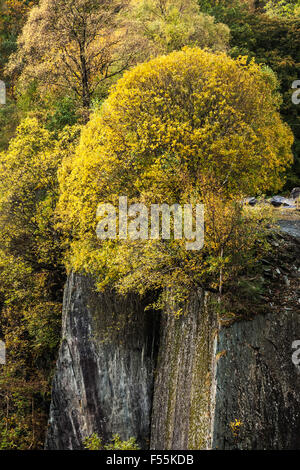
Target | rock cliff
(221,385)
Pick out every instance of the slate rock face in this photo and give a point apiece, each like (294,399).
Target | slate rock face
(182,406)
(295,193)
(180,383)
(104,374)
(257,384)
(208,379)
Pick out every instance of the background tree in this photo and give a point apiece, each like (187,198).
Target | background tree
(32,275)
(74,45)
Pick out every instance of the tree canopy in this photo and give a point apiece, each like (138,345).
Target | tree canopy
(73,45)
(188,126)
(169,25)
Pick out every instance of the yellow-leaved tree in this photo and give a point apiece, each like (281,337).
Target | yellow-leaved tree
(188,127)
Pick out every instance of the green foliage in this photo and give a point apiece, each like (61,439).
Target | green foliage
(23,414)
(8,122)
(12,17)
(28,193)
(275,42)
(224,8)
(63,114)
(118,444)
(94,442)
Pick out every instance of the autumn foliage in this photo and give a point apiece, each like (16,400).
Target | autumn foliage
(190,126)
